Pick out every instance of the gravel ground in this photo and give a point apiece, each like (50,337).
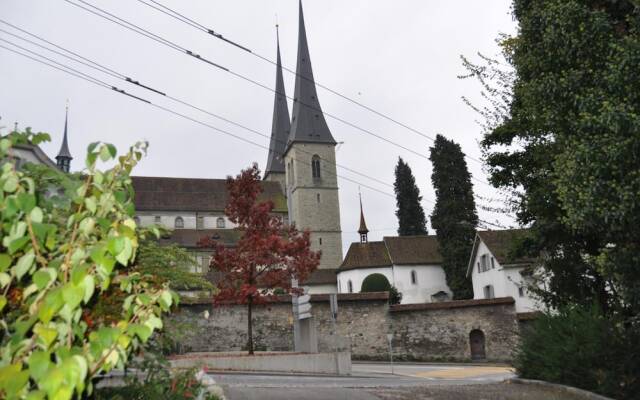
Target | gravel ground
(500,391)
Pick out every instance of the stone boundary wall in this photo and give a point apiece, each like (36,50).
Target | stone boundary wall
(421,332)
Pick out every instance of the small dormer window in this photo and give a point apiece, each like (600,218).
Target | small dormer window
(220,222)
(179,223)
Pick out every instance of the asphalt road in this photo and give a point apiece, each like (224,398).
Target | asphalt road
(369,376)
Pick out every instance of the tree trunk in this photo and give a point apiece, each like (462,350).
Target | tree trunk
(249,327)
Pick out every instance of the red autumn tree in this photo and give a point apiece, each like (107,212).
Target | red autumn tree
(268,255)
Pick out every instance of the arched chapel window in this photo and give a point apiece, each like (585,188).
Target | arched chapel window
(179,223)
(315,166)
(220,223)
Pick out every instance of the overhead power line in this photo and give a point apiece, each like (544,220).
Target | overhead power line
(116,74)
(89,78)
(184,19)
(137,29)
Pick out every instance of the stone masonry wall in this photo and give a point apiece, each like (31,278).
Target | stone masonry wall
(428,332)
(440,331)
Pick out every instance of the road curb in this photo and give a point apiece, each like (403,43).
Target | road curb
(568,389)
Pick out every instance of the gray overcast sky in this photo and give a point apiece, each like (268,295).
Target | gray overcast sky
(398,57)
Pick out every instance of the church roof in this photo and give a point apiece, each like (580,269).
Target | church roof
(64,149)
(411,250)
(192,194)
(366,255)
(281,125)
(308,123)
(393,250)
(191,237)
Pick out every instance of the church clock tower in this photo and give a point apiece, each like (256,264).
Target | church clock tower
(310,164)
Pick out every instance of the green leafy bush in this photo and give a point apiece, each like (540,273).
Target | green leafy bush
(582,348)
(375,283)
(66,242)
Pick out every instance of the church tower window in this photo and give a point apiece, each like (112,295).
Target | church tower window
(315,166)
(318,197)
(179,223)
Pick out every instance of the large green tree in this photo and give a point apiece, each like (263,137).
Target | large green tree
(563,131)
(411,218)
(454,216)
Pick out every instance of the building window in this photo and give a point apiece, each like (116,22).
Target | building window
(179,223)
(493,263)
(220,222)
(199,222)
(318,197)
(315,166)
(488,292)
(320,240)
(414,277)
(484,263)
(521,291)
(350,286)
(157,220)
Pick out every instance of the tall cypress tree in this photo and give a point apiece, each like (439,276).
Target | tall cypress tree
(454,217)
(411,218)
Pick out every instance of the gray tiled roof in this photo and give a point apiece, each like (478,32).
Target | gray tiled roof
(393,250)
(195,195)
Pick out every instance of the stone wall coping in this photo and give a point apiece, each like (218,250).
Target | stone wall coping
(452,304)
(529,316)
(315,298)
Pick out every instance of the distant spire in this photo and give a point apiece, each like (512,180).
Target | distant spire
(63,159)
(308,123)
(363,231)
(281,123)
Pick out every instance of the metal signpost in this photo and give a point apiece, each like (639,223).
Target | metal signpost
(304,331)
(390,339)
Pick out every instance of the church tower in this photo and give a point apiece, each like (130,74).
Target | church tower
(63,159)
(280,129)
(310,161)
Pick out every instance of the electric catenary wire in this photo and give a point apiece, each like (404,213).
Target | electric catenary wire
(111,17)
(181,17)
(89,78)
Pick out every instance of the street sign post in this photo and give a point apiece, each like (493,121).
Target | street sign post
(390,340)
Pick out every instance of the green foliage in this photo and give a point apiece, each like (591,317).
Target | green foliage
(454,217)
(375,283)
(411,219)
(395,297)
(581,347)
(153,380)
(65,242)
(563,133)
(169,264)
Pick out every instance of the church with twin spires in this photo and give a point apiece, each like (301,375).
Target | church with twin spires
(300,178)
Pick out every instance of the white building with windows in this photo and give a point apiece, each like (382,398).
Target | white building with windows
(495,273)
(412,264)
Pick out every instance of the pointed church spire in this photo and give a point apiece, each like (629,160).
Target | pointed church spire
(308,123)
(363,231)
(281,123)
(63,159)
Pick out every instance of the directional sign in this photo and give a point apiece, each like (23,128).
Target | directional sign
(301,306)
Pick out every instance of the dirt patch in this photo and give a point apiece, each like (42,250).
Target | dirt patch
(500,391)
